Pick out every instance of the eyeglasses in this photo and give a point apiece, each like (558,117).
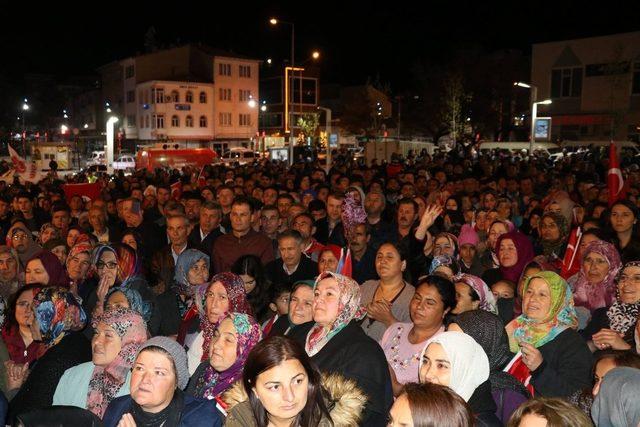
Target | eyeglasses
(110,265)
(19,236)
(624,278)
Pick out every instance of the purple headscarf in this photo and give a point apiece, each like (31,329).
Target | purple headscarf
(603,294)
(212,383)
(55,270)
(487,299)
(524,249)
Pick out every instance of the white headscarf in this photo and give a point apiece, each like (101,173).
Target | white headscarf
(469,362)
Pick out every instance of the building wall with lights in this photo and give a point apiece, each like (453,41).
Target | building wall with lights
(594,84)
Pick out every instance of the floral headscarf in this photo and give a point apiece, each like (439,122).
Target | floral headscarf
(555,247)
(602,294)
(186,260)
(58,311)
(77,249)
(349,308)
(453,241)
(136,303)
(46,226)
(562,314)
(106,381)
(234,285)
(445,260)
(213,383)
(623,317)
(487,299)
(524,249)
(55,270)
(128,263)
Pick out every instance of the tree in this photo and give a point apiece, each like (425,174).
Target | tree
(308,124)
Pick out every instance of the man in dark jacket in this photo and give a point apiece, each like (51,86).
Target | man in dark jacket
(151,234)
(205,233)
(163,264)
(292,266)
(363,254)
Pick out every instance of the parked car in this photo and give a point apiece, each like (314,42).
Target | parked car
(240,156)
(124,163)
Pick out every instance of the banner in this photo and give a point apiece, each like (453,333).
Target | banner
(26,172)
(92,191)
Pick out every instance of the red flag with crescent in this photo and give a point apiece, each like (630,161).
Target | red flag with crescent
(615,183)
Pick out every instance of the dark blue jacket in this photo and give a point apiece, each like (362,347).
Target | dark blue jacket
(196,413)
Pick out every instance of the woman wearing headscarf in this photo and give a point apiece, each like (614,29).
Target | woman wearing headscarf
(20,238)
(551,358)
(179,313)
(45,269)
(118,298)
(236,331)
(47,232)
(16,332)
(489,259)
(613,327)
(554,234)
(92,385)
(118,266)
(11,277)
(617,401)
(487,330)
(472,293)
(455,360)
(513,251)
(58,318)
(223,294)
(445,266)
(78,264)
(337,343)
(594,285)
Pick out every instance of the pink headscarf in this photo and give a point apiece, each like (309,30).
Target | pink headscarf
(603,294)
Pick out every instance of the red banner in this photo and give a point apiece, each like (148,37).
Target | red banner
(92,191)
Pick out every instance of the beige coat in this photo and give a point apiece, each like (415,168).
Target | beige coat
(345,402)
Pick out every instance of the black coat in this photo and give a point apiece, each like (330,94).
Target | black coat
(566,367)
(37,391)
(204,245)
(483,406)
(365,269)
(355,355)
(307,270)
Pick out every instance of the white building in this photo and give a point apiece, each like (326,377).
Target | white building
(185,93)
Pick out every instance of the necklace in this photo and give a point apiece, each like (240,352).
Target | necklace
(395,361)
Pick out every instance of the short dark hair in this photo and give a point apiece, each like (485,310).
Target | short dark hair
(408,201)
(316,205)
(286,196)
(557,412)
(213,206)
(273,208)
(60,206)
(445,288)
(242,200)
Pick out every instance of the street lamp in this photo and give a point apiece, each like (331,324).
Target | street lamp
(275,21)
(534,97)
(25,108)
(328,131)
(110,142)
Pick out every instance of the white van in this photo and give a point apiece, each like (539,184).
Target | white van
(96,158)
(240,156)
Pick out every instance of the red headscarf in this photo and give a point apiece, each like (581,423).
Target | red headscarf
(53,266)
(524,249)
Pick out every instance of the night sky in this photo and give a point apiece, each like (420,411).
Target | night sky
(357,39)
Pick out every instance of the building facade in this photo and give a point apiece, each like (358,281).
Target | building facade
(186,93)
(594,84)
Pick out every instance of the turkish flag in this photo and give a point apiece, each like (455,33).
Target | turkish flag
(176,190)
(92,191)
(571,261)
(615,183)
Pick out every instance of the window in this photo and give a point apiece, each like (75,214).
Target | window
(188,122)
(140,95)
(224,69)
(146,121)
(203,98)
(245,95)
(245,71)
(566,83)
(224,119)
(158,120)
(175,96)
(188,98)
(129,72)
(175,121)
(635,83)
(141,122)
(224,94)
(131,96)
(245,119)
(157,95)
(203,121)
(131,121)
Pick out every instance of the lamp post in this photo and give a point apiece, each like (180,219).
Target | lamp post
(534,98)
(25,108)
(534,117)
(328,131)
(275,21)
(110,137)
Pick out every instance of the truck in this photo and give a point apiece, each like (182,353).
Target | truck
(174,158)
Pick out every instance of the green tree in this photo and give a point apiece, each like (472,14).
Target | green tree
(308,124)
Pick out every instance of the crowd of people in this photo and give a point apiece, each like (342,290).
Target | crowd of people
(448,290)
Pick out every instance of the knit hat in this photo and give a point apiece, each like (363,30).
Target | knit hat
(177,353)
(468,236)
